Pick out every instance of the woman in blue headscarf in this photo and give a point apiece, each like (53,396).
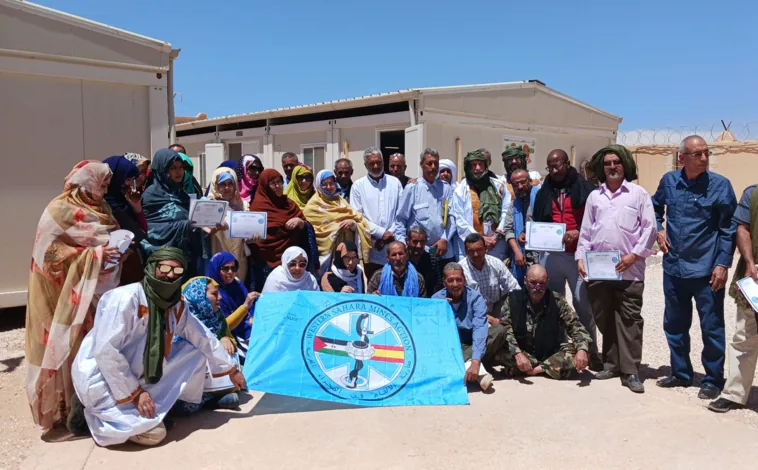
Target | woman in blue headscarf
(125,201)
(237,305)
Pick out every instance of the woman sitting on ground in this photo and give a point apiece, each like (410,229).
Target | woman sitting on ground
(237,305)
(335,221)
(224,188)
(346,274)
(201,297)
(300,187)
(292,274)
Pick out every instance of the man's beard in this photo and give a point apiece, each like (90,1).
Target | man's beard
(480,177)
(376,175)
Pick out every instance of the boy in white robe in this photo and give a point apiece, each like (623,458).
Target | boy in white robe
(128,374)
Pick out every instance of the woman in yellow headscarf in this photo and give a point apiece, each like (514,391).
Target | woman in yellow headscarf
(300,187)
(334,220)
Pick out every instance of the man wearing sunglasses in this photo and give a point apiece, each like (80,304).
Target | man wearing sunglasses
(537,324)
(618,217)
(697,242)
(128,362)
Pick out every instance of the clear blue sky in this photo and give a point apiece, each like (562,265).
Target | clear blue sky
(656,63)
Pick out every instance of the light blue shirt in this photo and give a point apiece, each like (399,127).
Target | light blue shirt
(423,204)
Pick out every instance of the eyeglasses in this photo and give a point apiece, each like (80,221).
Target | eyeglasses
(704,153)
(343,173)
(301,264)
(226,269)
(306,177)
(538,286)
(254,169)
(555,167)
(612,163)
(276,183)
(165,269)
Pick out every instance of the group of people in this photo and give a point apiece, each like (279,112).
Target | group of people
(116,342)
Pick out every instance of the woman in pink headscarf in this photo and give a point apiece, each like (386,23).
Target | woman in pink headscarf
(248,170)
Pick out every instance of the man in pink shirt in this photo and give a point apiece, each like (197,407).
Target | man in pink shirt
(618,216)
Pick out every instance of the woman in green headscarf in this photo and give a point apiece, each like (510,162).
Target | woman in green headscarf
(300,188)
(190,184)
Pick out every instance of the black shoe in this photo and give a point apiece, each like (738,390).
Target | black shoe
(607,374)
(708,392)
(632,382)
(722,405)
(671,382)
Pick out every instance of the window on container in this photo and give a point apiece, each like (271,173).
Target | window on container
(313,156)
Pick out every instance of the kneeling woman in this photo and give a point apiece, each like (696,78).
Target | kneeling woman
(292,274)
(201,296)
(237,305)
(346,274)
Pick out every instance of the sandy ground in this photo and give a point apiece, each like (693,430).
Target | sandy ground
(533,423)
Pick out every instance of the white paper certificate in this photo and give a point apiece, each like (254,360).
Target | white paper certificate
(120,239)
(542,236)
(206,213)
(749,290)
(246,224)
(601,265)
(219,383)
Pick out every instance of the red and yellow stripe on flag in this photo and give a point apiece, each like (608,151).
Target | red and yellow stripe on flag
(337,347)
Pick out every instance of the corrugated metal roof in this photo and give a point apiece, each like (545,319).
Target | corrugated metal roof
(74,20)
(380,98)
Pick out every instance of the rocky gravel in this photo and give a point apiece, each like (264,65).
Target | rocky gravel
(19,434)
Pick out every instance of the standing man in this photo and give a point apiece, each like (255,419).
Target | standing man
(480,342)
(619,217)
(514,158)
(516,219)
(343,169)
(743,350)
(426,203)
(478,205)
(561,199)
(425,264)
(398,167)
(698,246)
(289,162)
(376,196)
(488,275)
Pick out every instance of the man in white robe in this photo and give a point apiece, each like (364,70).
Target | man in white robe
(128,374)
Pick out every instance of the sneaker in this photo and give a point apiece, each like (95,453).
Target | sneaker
(722,405)
(150,438)
(485,381)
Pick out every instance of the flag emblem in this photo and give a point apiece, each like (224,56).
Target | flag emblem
(359,350)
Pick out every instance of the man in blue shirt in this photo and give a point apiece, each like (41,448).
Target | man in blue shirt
(698,245)
(479,342)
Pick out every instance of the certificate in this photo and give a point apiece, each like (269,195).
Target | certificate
(219,383)
(601,265)
(244,224)
(749,290)
(541,236)
(120,239)
(207,213)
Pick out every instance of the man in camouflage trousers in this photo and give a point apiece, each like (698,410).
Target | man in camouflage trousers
(537,323)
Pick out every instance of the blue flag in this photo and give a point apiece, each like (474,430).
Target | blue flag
(366,350)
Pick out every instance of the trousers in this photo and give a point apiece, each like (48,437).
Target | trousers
(562,268)
(743,357)
(495,344)
(558,366)
(677,321)
(617,307)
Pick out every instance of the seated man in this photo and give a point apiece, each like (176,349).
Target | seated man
(488,275)
(536,323)
(479,342)
(128,374)
(425,263)
(397,277)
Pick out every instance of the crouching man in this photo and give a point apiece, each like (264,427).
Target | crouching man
(128,374)
(479,342)
(536,323)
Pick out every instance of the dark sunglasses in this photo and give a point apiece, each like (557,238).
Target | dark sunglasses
(301,264)
(165,269)
(255,168)
(226,269)
(306,177)
(538,286)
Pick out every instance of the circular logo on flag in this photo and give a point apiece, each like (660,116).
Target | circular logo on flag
(359,350)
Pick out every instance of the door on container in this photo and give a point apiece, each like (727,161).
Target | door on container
(236,149)
(199,164)
(414,145)
(313,156)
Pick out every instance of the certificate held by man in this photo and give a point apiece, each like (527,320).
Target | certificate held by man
(207,213)
(243,224)
(542,236)
(601,265)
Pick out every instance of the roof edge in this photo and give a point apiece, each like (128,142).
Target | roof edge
(558,94)
(88,24)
